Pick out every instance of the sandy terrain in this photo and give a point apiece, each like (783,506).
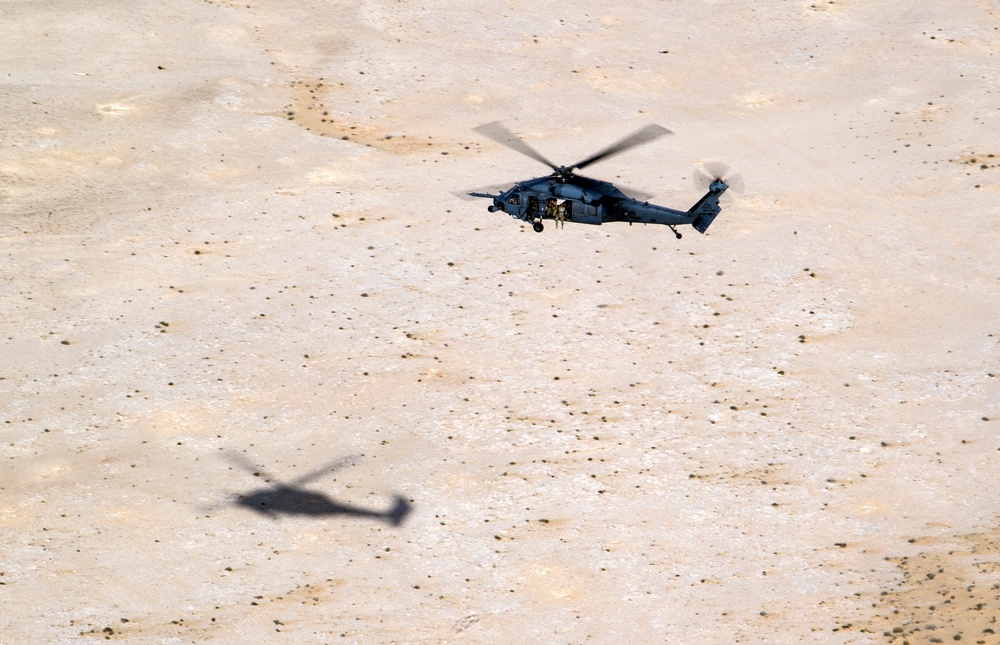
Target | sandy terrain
(234,274)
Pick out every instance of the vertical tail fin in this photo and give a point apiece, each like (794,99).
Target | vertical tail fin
(704,212)
(400,509)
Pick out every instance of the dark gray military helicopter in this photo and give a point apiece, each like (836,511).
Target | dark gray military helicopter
(566,196)
(290,498)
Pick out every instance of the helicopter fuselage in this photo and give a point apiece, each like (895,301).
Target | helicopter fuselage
(589,201)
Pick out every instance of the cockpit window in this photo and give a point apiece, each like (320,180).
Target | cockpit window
(514,199)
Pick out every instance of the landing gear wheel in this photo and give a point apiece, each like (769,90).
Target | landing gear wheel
(538,227)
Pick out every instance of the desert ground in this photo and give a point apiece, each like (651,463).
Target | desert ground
(265,378)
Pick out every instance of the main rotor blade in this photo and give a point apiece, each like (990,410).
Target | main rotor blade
(494,189)
(639,137)
(635,193)
(325,470)
(243,463)
(503,136)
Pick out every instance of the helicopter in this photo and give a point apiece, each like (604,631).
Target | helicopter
(291,499)
(566,196)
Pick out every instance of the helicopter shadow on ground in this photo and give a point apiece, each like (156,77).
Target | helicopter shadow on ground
(278,498)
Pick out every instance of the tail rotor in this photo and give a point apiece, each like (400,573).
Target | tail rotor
(710,172)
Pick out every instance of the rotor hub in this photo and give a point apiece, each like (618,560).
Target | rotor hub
(563,174)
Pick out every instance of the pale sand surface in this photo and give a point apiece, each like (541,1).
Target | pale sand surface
(783,431)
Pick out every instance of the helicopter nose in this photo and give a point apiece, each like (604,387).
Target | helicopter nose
(491,208)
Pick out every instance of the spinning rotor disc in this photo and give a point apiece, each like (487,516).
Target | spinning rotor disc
(499,133)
